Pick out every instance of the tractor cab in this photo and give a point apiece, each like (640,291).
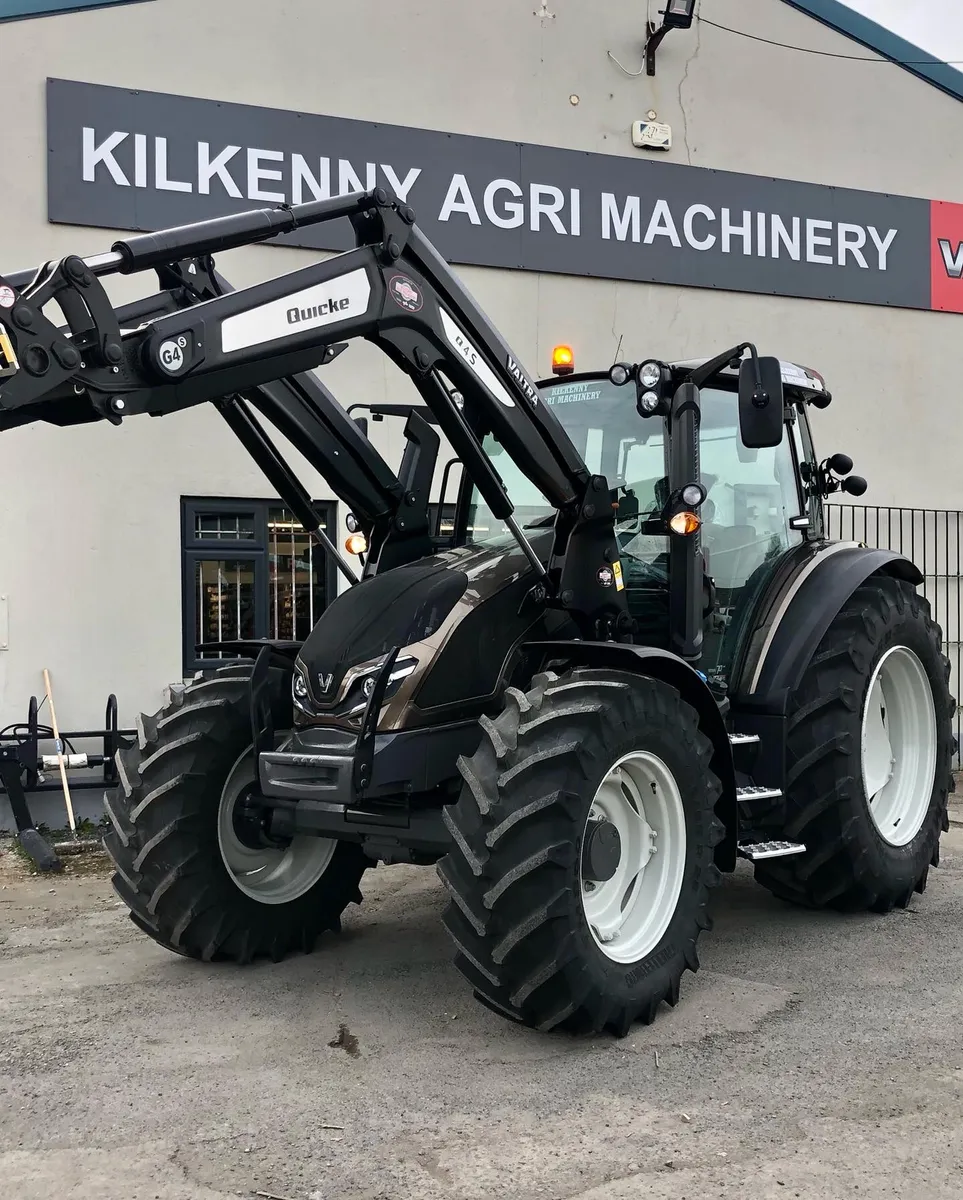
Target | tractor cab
(752,504)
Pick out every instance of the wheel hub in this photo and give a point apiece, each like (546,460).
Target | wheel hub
(269,870)
(251,819)
(633,856)
(601,851)
(898,745)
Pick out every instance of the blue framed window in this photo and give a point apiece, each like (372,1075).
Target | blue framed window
(18,10)
(250,571)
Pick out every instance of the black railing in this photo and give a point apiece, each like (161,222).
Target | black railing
(932,538)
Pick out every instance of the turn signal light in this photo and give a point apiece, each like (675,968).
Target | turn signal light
(563,360)
(684,522)
(356,543)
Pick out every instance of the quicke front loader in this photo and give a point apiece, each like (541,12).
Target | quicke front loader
(635,659)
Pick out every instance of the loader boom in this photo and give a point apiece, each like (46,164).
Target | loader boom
(393,289)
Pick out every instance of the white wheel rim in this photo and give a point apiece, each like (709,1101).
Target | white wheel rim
(270,876)
(629,914)
(898,746)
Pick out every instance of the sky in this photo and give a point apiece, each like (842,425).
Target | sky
(934,25)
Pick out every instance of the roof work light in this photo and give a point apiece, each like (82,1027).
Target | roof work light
(563,360)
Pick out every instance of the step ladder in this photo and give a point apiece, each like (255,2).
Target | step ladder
(755,851)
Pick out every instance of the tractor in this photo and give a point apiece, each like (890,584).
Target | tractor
(632,660)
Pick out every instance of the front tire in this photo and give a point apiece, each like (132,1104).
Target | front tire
(557,921)
(869,757)
(183,866)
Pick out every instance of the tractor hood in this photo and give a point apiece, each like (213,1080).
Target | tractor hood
(416,608)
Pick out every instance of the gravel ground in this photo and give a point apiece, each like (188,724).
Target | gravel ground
(813,1056)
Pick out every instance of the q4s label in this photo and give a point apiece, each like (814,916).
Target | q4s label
(310,308)
(479,368)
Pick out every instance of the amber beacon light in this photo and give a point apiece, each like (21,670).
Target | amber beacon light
(563,360)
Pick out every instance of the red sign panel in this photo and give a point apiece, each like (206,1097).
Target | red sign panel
(946,250)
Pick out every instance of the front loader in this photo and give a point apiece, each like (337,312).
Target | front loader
(636,660)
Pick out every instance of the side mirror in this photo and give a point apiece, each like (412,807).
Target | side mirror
(760,410)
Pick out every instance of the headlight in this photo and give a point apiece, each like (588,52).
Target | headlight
(620,374)
(399,672)
(300,694)
(649,402)
(356,700)
(650,374)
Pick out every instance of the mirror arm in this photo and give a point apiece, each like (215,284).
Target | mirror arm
(760,397)
(713,365)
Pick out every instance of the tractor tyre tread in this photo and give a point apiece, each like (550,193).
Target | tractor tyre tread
(162,838)
(515,913)
(847,866)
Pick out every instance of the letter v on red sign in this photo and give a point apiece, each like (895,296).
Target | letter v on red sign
(946,256)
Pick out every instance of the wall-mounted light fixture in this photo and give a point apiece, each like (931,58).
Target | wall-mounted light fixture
(677,14)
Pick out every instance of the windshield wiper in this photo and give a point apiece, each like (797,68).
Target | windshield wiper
(541,522)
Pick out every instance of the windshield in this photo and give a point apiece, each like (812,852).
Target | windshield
(608,432)
(602,422)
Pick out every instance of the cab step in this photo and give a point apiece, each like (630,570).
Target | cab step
(743,739)
(746,794)
(754,851)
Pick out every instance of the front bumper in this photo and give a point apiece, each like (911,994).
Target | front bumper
(312,782)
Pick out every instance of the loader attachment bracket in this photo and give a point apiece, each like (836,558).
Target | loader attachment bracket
(363,766)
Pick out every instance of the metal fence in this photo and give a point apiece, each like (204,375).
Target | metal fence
(933,540)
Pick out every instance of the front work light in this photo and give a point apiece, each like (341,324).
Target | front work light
(563,360)
(620,374)
(693,494)
(650,374)
(684,523)
(649,402)
(356,543)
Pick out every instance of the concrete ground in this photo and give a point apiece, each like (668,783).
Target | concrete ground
(813,1056)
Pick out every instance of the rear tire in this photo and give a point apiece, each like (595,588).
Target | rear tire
(525,892)
(187,883)
(881,662)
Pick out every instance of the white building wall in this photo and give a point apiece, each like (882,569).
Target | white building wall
(89,517)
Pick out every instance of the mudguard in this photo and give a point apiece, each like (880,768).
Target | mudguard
(798,618)
(675,671)
(282,652)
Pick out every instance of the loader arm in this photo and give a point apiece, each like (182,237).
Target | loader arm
(300,406)
(302,409)
(393,289)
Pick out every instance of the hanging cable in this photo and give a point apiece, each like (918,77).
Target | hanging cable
(753,37)
(899,62)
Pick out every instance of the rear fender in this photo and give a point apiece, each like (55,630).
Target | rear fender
(660,664)
(800,617)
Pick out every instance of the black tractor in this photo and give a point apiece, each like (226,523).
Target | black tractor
(632,658)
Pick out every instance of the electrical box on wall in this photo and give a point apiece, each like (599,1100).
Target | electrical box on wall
(652,135)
